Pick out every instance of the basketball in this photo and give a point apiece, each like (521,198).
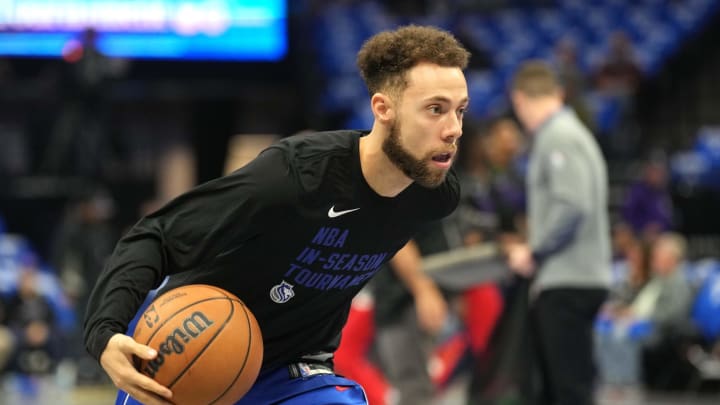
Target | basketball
(209,344)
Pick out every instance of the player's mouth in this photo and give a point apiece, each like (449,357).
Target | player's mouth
(443,160)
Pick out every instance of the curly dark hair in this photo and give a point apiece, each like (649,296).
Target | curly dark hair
(385,58)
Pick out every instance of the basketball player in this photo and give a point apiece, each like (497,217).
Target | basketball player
(299,230)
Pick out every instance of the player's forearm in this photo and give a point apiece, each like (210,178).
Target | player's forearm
(132,271)
(563,221)
(407,265)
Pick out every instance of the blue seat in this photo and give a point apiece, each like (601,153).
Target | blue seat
(697,273)
(689,169)
(706,308)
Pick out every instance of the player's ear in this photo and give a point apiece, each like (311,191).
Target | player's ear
(382,107)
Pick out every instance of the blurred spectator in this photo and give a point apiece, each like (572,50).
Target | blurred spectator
(660,305)
(616,81)
(648,208)
(89,70)
(7,341)
(79,143)
(629,284)
(492,202)
(619,73)
(573,79)
(629,261)
(571,75)
(624,242)
(491,211)
(84,241)
(32,320)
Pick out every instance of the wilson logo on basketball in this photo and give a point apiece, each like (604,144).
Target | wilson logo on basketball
(192,327)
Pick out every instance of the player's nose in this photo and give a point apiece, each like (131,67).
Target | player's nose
(453,130)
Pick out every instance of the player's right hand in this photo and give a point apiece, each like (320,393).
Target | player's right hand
(116,359)
(430,306)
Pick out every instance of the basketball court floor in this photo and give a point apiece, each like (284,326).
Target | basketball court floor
(50,391)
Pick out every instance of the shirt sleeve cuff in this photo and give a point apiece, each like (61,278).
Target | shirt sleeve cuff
(97,346)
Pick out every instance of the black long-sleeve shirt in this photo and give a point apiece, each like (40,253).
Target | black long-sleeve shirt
(294,234)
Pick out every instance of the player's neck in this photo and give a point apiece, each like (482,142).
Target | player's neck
(542,110)
(380,173)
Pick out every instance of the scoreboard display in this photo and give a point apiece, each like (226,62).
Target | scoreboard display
(238,30)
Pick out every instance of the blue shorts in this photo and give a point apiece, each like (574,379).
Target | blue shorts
(278,386)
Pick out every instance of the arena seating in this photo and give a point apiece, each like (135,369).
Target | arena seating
(510,35)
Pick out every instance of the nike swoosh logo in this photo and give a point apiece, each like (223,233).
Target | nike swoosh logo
(334,214)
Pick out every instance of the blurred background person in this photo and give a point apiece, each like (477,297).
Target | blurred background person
(648,207)
(80,139)
(568,250)
(491,212)
(658,303)
(492,209)
(630,257)
(618,72)
(7,340)
(573,79)
(616,81)
(83,242)
(32,319)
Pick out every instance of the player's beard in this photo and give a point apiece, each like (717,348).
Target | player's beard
(418,170)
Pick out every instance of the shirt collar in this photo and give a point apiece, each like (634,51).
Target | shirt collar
(549,119)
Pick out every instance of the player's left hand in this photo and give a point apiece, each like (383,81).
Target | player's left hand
(430,307)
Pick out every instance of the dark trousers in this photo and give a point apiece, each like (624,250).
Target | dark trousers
(561,324)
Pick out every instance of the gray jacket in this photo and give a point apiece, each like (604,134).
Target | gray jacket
(567,199)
